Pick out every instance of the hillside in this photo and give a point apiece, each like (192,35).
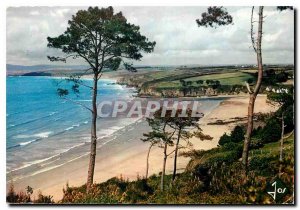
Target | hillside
(203,81)
(214,179)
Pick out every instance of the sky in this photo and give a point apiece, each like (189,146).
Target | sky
(179,41)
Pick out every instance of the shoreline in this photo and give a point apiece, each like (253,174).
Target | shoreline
(130,162)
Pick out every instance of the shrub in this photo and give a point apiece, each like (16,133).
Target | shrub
(256,133)
(272,131)
(202,173)
(17,197)
(263,165)
(250,80)
(237,134)
(231,146)
(44,198)
(22,197)
(289,119)
(281,77)
(224,139)
(137,191)
(256,144)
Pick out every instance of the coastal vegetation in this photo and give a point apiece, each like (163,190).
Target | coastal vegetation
(172,131)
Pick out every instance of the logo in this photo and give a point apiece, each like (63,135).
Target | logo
(277,189)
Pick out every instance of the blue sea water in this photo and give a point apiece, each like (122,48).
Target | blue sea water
(40,125)
(45,131)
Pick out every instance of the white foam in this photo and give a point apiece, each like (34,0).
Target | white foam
(27,142)
(108,132)
(35,136)
(33,163)
(43,134)
(69,128)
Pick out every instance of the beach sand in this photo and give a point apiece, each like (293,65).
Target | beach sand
(130,161)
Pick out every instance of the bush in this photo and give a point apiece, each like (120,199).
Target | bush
(272,131)
(256,133)
(236,136)
(136,191)
(202,173)
(281,77)
(263,165)
(231,146)
(224,139)
(250,80)
(238,133)
(289,119)
(44,199)
(256,144)
(22,197)
(17,197)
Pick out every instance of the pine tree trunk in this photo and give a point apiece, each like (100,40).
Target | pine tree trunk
(249,131)
(90,177)
(164,168)
(281,140)
(147,164)
(255,92)
(175,155)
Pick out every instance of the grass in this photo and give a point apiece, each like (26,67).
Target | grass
(235,78)
(272,149)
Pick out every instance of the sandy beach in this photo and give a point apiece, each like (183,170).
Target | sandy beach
(131,162)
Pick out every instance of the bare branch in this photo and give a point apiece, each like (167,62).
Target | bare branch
(252,33)
(248,88)
(171,153)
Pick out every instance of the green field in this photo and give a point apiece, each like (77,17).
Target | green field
(232,78)
(236,78)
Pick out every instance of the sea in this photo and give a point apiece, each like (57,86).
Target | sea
(44,131)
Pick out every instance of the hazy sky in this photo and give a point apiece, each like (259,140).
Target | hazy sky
(179,40)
